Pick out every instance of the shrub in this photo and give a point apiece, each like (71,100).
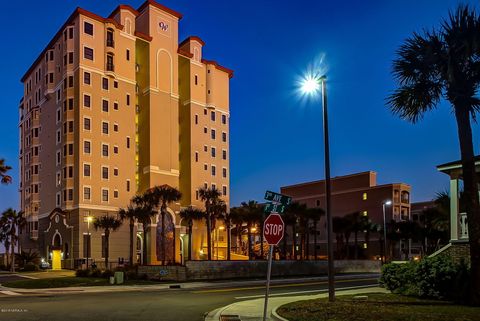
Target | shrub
(82,273)
(96,273)
(436,277)
(30,267)
(131,275)
(143,276)
(3,267)
(107,274)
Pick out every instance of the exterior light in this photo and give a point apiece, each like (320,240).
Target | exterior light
(388,202)
(221,228)
(310,85)
(253,229)
(201,251)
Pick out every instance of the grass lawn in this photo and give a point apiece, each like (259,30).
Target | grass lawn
(378,307)
(64,282)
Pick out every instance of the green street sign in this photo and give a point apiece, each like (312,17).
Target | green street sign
(275,208)
(278,198)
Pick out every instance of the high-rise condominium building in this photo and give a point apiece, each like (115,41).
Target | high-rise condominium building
(112,107)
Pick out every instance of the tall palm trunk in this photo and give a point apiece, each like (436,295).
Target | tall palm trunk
(7,251)
(132,225)
(229,236)
(107,237)
(209,237)
(162,236)
(145,243)
(315,239)
(307,245)
(12,267)
(470,188)
(294,236)
(249,236)
(356,243)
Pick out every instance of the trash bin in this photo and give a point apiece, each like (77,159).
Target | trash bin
(118,277)
(112,280)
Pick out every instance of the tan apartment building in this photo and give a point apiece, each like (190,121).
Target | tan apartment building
(354,193)
(112,107)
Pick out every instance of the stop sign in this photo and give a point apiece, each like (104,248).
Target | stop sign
(273,229)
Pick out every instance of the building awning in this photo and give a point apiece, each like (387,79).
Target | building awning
(456,166)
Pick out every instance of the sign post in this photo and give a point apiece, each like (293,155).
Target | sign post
(273,230)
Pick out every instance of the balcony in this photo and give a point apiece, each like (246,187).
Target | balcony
(34,234)
(110,43)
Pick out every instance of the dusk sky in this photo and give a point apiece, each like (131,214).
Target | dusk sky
(276,138)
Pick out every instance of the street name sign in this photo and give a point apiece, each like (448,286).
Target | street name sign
(278,198)
(275,208)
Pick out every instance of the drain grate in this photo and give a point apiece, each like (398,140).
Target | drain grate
(230,317)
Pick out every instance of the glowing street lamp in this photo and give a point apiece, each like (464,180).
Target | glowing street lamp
(310,85)
(385,203)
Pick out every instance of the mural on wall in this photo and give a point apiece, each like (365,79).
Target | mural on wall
(169,239)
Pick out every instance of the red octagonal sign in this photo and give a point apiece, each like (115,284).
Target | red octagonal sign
(273,229)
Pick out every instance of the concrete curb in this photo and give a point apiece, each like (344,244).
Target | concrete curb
(276,316)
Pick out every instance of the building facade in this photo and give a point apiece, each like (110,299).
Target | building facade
(112,107)
(355,193)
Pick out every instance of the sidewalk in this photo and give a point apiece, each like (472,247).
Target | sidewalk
(252,310)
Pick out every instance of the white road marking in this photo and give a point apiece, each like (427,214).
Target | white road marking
(304,292)
(10,293)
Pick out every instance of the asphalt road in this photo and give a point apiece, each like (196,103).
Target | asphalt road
(148,305)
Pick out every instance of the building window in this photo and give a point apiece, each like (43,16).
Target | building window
(70,149)
(50,76)
(110,66)
(70,81)
(212,115)
(70,194)
(105,105)
(205,130)
(205,111)
(213,151)
(86,193)
(364,196)
(115,84)
(224,192)
(214,170)
(224,137)
(86,78)
(104,195)
(104,172)
(128,185)
(70,57)
(196,80)
(110,41)
(70,103)
(224,172)
(86,147)
(115,194)
(224,119)
(213,133)
(365,213)
(205,148)
(88,28)
(128,100)
(196,156)
(115,149)
(105,83)
(115,127)
(224,154)
(196,119)
(128,54)
(128,142)
(115,106)
(105,128)
(104,150)
(86,170)
(88,53)
(86,100)
(70,126)
(115,171)
(86,123)
(205,167)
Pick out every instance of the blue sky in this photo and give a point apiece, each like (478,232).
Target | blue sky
(276,139)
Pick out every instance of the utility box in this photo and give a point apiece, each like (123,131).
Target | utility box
(118,277)
(112,280)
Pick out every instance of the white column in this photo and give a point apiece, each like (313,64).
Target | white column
(453,209)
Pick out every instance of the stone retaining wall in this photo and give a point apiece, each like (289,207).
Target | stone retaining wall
(216,270)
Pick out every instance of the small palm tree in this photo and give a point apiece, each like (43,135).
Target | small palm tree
(210,196)
(236,218)
(131,213)
(4,178)
(251,213)
(444,64)
(107,224)
(11,221)
(191,214)
(294,211)
(315,214)
(144,213)
(163,196)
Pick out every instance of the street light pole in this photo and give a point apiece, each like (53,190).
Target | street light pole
(328,195)
(388,202)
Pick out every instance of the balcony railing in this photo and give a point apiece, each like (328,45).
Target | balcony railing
(463,226)
(34,234)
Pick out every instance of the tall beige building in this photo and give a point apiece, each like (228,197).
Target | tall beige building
(111,107)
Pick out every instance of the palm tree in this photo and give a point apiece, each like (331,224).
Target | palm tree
(210,196)
(11,222)
(4,236)
(4,178)
(220,212)
(315,215)
(107,224)
(444,64)
(236,218)
(145,212)
(131,213)
(163,196)
(295,210)
(356,225)
(250,213)
(191,214)
(368,229)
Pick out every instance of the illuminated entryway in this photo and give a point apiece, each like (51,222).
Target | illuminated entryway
(56,259)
